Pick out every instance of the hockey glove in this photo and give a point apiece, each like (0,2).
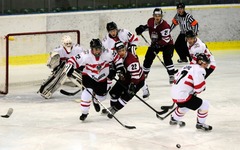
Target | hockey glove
(69,69)
(140,29)
(208,72)
(132,49)
(112,74)
(131,89)
(121,73)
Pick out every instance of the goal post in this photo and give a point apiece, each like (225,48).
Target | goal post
(28,45)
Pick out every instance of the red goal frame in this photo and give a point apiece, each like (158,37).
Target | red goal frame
(5,91)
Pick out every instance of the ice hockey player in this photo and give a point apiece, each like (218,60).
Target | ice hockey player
(189,82)
(95,72)
(195,47)
(129,83)
(130,41)
(56,62)
(161,40)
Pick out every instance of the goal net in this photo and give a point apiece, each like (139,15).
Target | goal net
(23,56)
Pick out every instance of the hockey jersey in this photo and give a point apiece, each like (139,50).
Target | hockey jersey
(96,67)
(197,48)
(188,81)
(134,72)
(124,35)
(161,30)
(64,54)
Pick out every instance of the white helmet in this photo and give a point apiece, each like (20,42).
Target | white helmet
(67,42)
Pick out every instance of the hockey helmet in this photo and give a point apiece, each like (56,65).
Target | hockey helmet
(203,58)
(119,45)
(157,11)
(96,43)
(67,42)
(180,5)
(190,34)
(111,26)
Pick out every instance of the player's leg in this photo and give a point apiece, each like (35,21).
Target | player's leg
(100,90)
(202,114)
(194,103)
(149,57)
(124,99)
(179,49)
(54,81)
(115,94)
(145,90)
(86,96)
(185,50)
(167,58)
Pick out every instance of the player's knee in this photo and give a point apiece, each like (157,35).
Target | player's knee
(87,94)
(204,107)
(183,110)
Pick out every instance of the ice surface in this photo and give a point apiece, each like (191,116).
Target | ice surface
(39,124)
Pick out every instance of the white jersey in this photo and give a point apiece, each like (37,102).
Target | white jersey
(96,68)
(65,55)
(124,35)
(188,81)
(200,47)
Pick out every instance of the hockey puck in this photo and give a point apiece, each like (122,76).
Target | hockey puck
(178,145)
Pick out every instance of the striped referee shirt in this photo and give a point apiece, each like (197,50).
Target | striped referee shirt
(186,22)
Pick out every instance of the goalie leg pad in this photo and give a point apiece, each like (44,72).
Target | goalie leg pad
(52,84)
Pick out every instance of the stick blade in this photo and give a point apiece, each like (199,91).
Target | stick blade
(9,113)
(130,127)
(68,93)
(162,112)
(159,117)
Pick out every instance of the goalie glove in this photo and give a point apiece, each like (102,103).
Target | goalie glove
(53,60)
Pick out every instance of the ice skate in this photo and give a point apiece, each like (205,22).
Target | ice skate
(146,92)
(175,122)
(203,127)
(113,110)
(83,117)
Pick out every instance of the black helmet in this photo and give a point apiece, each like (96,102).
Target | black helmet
(190,33)
(203,58)
(119,45)
(157,11)
(180,5)
(95,43)
(111,26)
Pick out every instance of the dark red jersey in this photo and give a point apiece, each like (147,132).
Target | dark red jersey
(162,30)
(134,71)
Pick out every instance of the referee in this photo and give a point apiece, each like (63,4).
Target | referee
(186,22)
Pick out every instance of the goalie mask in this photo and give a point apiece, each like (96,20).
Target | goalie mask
(67,43)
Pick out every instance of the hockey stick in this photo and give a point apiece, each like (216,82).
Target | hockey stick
(158,112)
(69,93)
(162,118)
(168,107)
(9,113)
(126,126)
(154,52)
